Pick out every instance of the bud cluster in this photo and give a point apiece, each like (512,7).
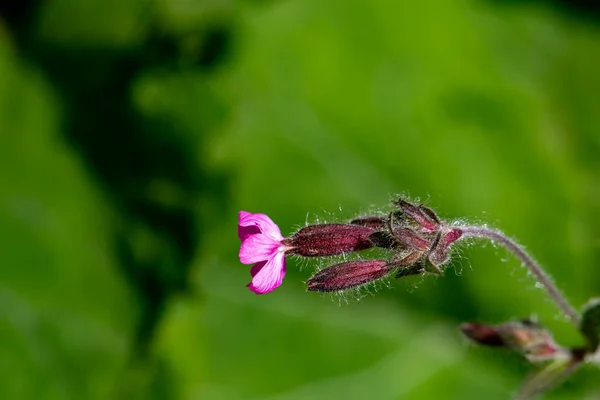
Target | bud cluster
(418,242)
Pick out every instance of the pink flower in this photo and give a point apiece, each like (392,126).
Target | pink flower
(261,246)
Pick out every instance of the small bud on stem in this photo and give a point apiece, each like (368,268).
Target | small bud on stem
(482,334)
(347,275)
(525,337)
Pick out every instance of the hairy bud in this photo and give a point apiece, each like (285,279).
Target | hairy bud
(482,334)
(525,337)
(411,240)
(438,254)
(347,275)
(329,239)
(423,216)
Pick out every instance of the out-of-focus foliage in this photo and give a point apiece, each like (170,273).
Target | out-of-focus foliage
(131,133)
(63,302)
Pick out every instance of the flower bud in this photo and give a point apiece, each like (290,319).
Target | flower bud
(329,239)
(441,245)
(411,239)
(525,337)
(482,334)
(423,216)
(529,338)
(347,274)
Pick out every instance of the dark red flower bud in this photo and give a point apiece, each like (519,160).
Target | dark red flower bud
(482,334)
(411,239)
(423,216)
(329,239)
(347,275)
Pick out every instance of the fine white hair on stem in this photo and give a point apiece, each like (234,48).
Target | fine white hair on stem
(483,232)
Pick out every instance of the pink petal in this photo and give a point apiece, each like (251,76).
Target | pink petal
(257,248)
(245,231)
(269,276)
(250,224)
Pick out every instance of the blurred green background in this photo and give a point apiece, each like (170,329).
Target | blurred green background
(133,131)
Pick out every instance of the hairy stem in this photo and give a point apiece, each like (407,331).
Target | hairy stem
(542,277)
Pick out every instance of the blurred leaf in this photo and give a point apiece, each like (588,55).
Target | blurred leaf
(590,323)
(235,345)
(68,23)
(66,316)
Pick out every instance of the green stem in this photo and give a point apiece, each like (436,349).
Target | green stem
(542,277)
